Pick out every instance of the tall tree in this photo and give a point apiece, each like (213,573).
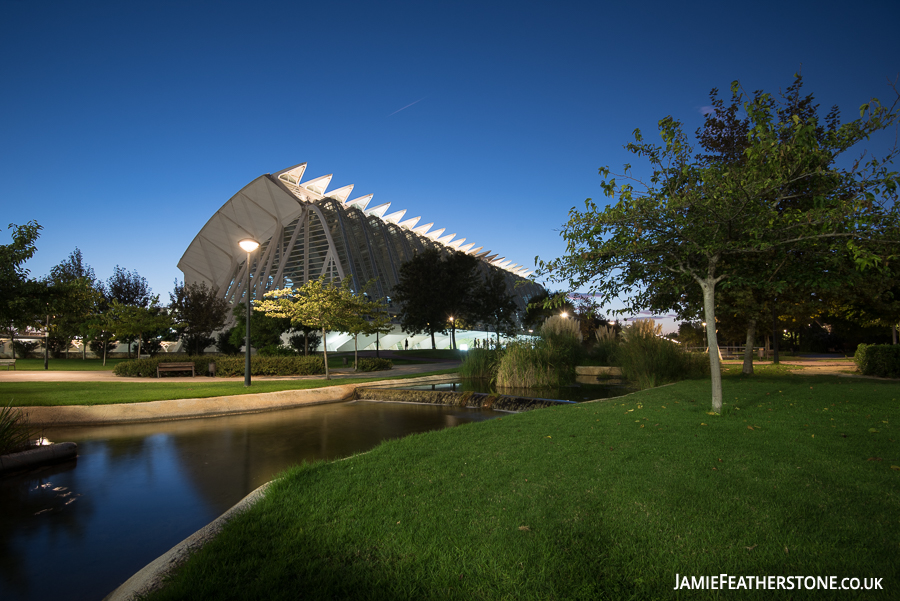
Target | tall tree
(127,289)
(700,219)
(133,322)
(198,311)
(494,305)
(432,288)
(368,317)
(75,299)
(17,291)
(317,303)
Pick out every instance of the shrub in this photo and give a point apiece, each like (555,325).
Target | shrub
(15,434)
(881,360)
(374,364)
(224,345)
(274,350)
(24,348)
(648,360)
(226,366)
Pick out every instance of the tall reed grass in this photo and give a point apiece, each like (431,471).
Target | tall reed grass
(650,361)
(546,362)
(481,363)
(15,433)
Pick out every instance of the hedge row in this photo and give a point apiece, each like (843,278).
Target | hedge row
(878,360)
(226,365)
(374,364)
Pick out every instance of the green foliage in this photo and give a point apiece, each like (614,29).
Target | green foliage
(198,311)
(305,341)
(15,433)
(881,360)
(545,362)
(277,350)
(603,352)
(493,304)
(374,364)
(480,363)
(433,287)
(559,326)
(226,366)
(265,330)
(649,361)
(698,221)
(224,345)
(317,303)
(25,348)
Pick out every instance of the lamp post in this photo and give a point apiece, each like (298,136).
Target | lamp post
(249,245)
(452,333)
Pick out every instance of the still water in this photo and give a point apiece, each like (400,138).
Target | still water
(78,530)
(578,392)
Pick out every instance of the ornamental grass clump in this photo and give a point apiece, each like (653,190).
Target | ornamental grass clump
(15,434)
(649,360)
(480,363)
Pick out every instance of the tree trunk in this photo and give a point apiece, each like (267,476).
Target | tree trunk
(894,334)
(709,310)
(433,346)
(775,337)
(325,352)
(355,352)
(748,348)
(103,339)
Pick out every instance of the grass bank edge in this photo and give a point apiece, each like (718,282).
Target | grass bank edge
(60,394)
(588,501)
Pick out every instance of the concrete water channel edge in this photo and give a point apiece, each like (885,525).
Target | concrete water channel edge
(153,575)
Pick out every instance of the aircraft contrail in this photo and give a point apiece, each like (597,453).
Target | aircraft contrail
(407,106)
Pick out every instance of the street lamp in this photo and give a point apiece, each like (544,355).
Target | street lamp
(249,245)
(452,333)
(563,314)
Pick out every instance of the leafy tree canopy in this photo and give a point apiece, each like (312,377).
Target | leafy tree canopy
(697,221)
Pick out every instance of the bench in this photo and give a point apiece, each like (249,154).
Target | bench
(8,363)
(184,366)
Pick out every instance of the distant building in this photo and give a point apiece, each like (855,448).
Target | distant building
(306,232)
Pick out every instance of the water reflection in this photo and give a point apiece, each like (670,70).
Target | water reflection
(136,490)
(579,392)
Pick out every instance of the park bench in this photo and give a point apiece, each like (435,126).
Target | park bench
(184,366)
(8,363)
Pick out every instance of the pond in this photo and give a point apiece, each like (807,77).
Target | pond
(78,530)
(577,392)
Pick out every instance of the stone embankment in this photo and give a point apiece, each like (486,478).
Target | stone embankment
(474,400)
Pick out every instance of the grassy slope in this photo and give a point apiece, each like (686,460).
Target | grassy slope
(596,501)
(34,394)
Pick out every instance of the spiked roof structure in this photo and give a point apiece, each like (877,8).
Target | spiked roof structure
(306,231)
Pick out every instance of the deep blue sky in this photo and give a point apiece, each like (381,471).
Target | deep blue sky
(125,126)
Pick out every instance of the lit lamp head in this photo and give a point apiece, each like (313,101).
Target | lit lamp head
(563,314)
(248,244)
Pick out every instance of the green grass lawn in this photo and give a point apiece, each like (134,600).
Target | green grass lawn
(38,394)
(71,364)
(606,500)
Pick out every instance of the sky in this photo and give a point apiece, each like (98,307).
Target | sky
(124,126)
